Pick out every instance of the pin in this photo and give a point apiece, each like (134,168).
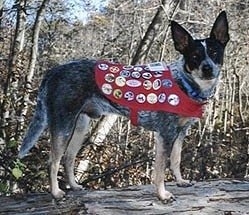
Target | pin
(167,83)
(128,67)
(146,75)
(147,84)
(106,89)
(140,98)
(114,69)
(117,93)
(162,97)
(152,98)
(173,99)
(129,96)
(120,81)
(136,74)
(156,84)
(125,73)
(133,83)
(103,66)
(109,77)
(138,69)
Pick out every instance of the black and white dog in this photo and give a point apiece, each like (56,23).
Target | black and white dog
(69,97)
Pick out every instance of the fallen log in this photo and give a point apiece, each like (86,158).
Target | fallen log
(226,197)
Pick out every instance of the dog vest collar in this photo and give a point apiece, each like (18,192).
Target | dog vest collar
(144,88)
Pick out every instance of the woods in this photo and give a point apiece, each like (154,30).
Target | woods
(37,35)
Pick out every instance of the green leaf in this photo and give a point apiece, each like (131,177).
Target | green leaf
(17,173)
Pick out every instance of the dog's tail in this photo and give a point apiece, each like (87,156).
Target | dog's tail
(37,126)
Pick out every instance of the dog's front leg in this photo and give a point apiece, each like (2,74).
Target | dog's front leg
(175,161)
(159,170)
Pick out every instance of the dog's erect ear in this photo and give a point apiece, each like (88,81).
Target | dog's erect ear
(182,39)
(220,29)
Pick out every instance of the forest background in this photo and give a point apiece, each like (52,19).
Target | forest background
(37,35)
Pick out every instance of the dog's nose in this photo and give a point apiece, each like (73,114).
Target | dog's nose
(207,70)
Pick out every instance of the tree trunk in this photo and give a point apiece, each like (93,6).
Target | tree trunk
(33,58)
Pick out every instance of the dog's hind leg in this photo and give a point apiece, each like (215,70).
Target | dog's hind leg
(162,153)
(80,130)
(175,161)
(58,147)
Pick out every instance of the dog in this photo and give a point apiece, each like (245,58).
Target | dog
(69,98)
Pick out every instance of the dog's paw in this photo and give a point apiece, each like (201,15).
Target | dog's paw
(184,183)
(58,194)
(166,197)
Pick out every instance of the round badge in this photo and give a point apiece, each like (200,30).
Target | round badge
(146,68)
(158,74)
(125,73)
(128,67)
(117,94)
(103,66)
(147,84)
(173,99)
(162,97)
(129,96)
(133,83)
(156,84)
(146,75)
(138,69)
(120,81)
(152,98)
(106,89)
(167,83)
(109,78)
(135,74)
(140,98)
(114,69)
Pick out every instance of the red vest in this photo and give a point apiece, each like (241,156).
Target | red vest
(144,88)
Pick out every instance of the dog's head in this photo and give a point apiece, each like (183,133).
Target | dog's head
(202,58)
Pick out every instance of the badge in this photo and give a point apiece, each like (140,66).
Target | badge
(173,99)
(140,98)
(129,96)
(147,84)
(114,69)
(103,66)
(120,81)
(117,94)
(109,77)
(125,73)
(162,97)
(156,84)
(157,66)
(167,83)
(146,75)
(106,89)
(136,74)
(129,67)
(138,69)
(152,98)
(133,83)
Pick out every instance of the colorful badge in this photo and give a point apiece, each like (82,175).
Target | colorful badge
(125,73)
(158,74)
(138,69)
(140,98)
(129,96)
(152,98)
(173,99)
(167,83)
(136,74)
(117,94)
(133,83)
(128,67)
(109,77)
(147,84)
(120,81)
(114,69)
(162,97)
(103,66)
(106,89)
(146,75)
(156,84)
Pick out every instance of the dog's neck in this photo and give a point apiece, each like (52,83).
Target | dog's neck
(187,84)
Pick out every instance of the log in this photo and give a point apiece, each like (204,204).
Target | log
(226,197)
